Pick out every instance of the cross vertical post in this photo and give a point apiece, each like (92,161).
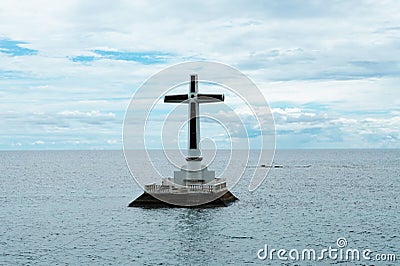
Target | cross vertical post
(193,99)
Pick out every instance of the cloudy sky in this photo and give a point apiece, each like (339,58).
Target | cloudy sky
(330,70)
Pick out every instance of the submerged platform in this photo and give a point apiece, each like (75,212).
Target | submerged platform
(184,200)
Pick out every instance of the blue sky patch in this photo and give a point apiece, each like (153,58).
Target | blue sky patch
(305,106)
(13,48)
(83,58)
(146,58)
(9,74)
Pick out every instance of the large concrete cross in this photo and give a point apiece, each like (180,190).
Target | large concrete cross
(193,98)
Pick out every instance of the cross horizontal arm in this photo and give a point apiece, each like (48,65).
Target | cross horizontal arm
(210,98)
(178,98)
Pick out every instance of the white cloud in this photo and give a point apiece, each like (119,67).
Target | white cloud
(112,141)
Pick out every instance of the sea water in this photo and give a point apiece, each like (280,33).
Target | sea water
(70,207)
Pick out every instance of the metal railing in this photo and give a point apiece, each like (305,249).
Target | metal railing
(185,189)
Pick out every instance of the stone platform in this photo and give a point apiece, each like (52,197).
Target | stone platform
(185,200)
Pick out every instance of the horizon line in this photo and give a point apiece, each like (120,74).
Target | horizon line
(278,149)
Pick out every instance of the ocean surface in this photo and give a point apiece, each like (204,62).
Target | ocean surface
(70,208)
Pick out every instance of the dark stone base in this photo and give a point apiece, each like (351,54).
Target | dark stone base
(147,200)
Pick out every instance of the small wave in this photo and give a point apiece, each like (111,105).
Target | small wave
(303,166)
(278,166)
(242,237)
